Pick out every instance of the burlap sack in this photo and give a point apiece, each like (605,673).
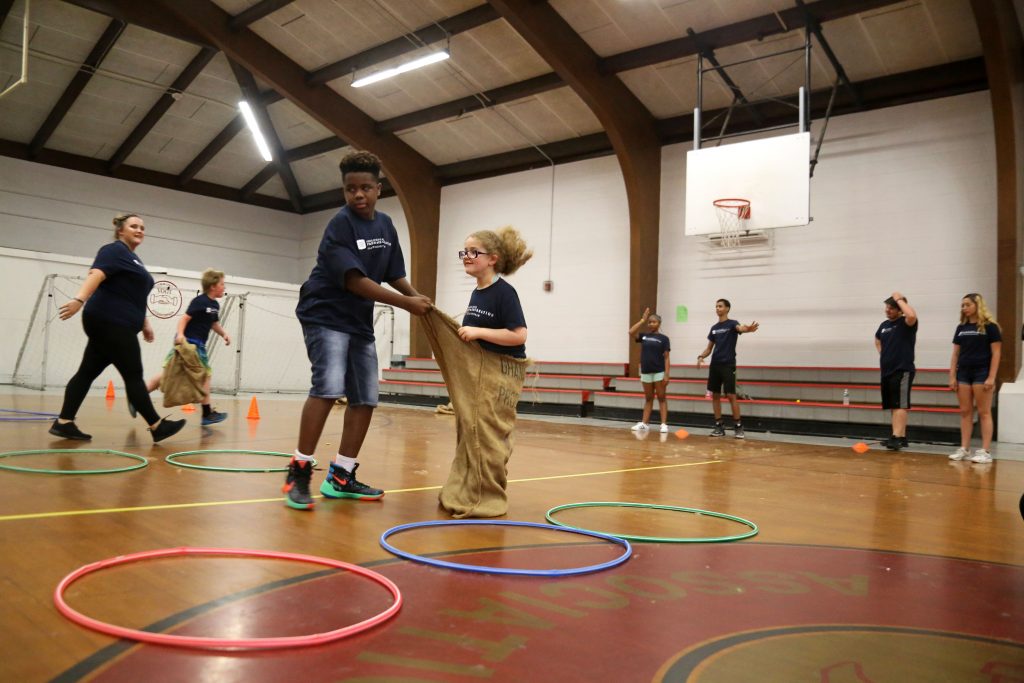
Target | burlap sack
(484,388)
(184,377)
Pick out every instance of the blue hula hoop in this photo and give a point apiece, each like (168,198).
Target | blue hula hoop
(25,415)
(502,570)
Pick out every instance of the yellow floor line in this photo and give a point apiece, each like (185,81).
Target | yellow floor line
(179,506)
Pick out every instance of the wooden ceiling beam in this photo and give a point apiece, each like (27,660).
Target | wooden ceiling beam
(1002,40)
(138,13)
(78,82)
(627,122)
(431,33)
(256,12)
(739,32)
(292,155)
(464,105)
(251,94)
(221,140)
(181,83)
(5,9)
(76,162)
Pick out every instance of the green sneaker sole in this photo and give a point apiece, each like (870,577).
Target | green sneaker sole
(298,506)
(331,492)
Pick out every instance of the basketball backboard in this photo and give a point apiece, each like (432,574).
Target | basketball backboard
(773,173)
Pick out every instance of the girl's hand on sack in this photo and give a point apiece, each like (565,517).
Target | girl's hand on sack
(469,333)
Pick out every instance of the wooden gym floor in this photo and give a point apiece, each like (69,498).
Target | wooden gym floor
(877,567)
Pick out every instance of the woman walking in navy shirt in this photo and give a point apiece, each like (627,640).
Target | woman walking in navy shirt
(113,297)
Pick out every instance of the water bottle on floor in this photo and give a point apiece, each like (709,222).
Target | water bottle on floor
(846,397)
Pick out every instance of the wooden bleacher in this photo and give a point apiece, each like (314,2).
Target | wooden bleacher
(553,388)
(800,400)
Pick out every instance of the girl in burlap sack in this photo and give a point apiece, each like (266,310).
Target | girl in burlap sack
(484,378)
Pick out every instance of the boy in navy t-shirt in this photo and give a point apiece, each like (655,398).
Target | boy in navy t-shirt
(201,316)
(359,250)
(654,368)
(895,340)
(722,371)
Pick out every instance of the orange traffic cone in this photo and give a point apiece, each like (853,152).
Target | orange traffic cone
(110,389)
(188,408)
(254,410)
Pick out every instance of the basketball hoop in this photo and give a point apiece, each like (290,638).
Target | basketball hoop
(733,215)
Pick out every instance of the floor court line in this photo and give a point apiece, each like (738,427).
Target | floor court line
(179,506)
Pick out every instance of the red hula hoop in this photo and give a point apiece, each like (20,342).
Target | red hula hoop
(224,643)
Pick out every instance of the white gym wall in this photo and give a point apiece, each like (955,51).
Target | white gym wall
(902,198)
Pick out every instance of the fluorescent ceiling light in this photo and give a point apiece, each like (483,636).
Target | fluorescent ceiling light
(432,58)
(254,126)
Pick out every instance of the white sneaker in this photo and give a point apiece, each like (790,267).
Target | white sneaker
(664,428)
(961,453)
(639,427)
(981,456)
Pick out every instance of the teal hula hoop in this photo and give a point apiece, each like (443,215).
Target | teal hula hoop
(549,515)
(172,459)
(64,451)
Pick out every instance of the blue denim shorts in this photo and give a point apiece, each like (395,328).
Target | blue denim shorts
(343,365)
(971,374)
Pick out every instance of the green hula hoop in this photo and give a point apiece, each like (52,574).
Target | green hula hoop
(549,515)
(11,454)
(172,460)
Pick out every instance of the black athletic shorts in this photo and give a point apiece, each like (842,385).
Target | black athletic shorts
(896,390)
(722,379)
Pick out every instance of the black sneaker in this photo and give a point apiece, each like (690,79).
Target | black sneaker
(719,430)
(68,430)
(737,431)
(341,483)
(892,443)
(903,442)
(296,485)
(166,428)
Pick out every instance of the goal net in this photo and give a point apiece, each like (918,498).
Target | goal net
(267,352)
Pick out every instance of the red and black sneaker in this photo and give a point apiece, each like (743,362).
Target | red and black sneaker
(296,484)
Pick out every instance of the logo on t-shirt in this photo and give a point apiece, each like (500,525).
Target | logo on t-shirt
(165,299)
(478,312)
(373,243)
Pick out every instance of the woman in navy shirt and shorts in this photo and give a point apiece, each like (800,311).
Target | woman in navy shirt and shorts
(977,343)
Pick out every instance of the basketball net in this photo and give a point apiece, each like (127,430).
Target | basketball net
(733,215)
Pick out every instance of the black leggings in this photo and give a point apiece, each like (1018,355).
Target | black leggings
(108,345)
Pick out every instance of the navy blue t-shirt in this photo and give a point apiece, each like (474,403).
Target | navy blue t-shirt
(120,300)
(496,307)
(898,339)
(976,347)
(652,353)
(724,336)
(350,243)
(203,312)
